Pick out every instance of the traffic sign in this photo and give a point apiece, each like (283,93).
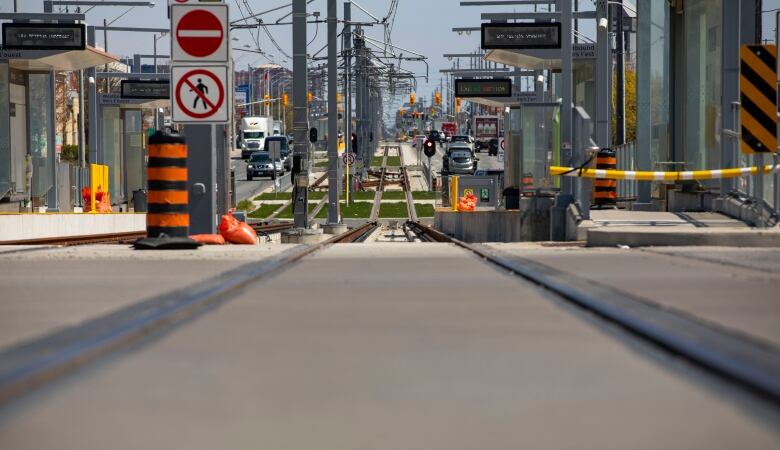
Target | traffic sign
(200,33)
(199,94)
(348,158)
(758,92)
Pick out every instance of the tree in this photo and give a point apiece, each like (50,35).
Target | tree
(630,110)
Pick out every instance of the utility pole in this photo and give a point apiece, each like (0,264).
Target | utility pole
(347,36)
(300,118)
(333,116)
(620,83)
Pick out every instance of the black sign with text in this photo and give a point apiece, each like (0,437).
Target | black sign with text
(497,87)
(521,35)
(40,36)
(143,90)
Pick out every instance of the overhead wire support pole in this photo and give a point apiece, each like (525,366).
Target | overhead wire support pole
(333,150)
(300,118)
(347,36)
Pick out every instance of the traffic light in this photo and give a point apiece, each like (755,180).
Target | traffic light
(429,148)
(353,142)
(310,96)
(412,98)
(457,104)
(285,99)
(338,97)
(401,112)
(266,99)
(437,98)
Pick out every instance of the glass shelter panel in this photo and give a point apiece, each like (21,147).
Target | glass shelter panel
(703,43)
(5,132)
(540,146)
(111,133)
(653,83)
(41,142)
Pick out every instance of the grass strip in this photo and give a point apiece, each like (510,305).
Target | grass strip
(363,195)
(276,196)
(393,161)
(357,210)
(265,210)
(394,195)
(423,195)
(244,205)
(287,212)
(392,210)
(376,161)
(424,209)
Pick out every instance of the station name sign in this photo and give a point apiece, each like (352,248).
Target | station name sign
(143,90)
(38,36)
(496,87)
(521,35)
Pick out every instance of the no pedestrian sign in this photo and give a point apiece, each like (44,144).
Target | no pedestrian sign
(199,94)
(200,33)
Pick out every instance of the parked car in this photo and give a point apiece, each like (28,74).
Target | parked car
(435,136)
(284,150)
(260,164)
(459,159)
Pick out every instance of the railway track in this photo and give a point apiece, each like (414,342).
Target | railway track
(749,364)
(122,238)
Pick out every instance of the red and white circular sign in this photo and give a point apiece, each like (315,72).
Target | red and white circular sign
(200,94)
(200,33)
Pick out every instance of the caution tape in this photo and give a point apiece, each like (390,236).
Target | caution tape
(662,176)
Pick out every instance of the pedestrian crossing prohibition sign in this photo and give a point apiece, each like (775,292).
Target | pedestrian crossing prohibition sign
(199,94)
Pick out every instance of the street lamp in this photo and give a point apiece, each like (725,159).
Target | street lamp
(163,34)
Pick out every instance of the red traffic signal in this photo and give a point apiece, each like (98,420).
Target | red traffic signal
(429,148)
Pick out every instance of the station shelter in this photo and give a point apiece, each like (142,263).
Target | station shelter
(29,173)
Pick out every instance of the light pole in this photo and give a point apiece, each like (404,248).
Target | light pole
(162,35)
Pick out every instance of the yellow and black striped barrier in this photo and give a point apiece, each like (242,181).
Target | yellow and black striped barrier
(663,176)
(758,98)
(605,189)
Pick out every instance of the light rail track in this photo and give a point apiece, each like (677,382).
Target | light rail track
(41,361)
(747,363)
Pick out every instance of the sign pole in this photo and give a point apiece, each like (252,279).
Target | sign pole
(333,117)
(430,175)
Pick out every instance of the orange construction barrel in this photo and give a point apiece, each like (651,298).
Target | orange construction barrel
(605,191)
(168,198)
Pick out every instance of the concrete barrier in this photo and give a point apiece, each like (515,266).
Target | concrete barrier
(38,226)
(679,236)
(530,223)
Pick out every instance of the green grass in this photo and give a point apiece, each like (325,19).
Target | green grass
(321,164)
(287,212)
(358,210)
(272,196)
(376,161)
(244,205)
(423,195)
(367,195)
(317,195)
(394,195)
(392,210)
(263,211)
(393,161)
(423,209)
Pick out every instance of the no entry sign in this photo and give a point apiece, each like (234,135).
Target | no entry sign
(200,33)
(199,94)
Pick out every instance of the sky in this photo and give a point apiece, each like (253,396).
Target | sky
(422,26)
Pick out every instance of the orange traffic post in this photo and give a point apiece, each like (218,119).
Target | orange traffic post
(168,198)
(605,190)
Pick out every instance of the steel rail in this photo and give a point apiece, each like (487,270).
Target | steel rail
(65,241)
(355,235)
(30,365)
(747,362)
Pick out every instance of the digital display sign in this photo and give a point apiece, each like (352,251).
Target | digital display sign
(38,36)
(521,35)
(483,88)
(160,90)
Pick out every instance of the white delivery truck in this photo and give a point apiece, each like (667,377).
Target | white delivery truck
(254,130)
(278,127)
(485,128)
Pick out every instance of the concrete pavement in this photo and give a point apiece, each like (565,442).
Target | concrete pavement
(388,346)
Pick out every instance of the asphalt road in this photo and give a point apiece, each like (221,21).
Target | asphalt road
(247,189)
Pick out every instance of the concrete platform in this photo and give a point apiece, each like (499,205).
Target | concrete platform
(733,288)
(530,223)
(37,226)
(44,289)
(389,347)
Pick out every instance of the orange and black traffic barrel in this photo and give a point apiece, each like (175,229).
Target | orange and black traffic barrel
(605,191)
(168,198)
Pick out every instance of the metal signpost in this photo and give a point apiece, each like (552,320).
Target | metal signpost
(202,100)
